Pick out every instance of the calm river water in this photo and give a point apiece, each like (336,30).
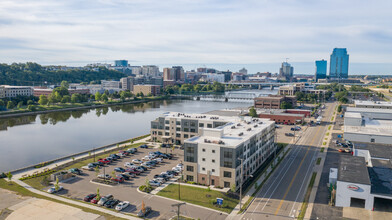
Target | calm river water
(33,139)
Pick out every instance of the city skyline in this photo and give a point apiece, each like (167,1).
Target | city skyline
(185,32)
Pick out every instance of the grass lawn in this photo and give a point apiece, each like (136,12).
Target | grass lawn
(24,192)
(37,181)
(199,196)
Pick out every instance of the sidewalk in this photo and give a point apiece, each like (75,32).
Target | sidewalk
(62,199)
(54,165)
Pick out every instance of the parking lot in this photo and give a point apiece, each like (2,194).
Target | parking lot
(283,129)
(81,185)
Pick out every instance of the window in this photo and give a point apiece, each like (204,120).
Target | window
(178,129)
(209,125)
(186,123)
(189,168)
(372,140)
(193,130)
(167,133)
(203,169)
(159,132)
(213,151)
(213,161)
(228,154)
(204,150)
(193,124)
(204,159)
(178,135)
(203,178)
(167,128)
(186,129)
(227,174)
(186,136)
(167,122)
(226,184)
(213,170)
(201,124)
(178,123)
(228,164)
(189,178)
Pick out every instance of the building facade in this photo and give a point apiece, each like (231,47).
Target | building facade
(321,70)
(286,71)
(2,92)
(214,157)
(13,91)
(147,89)
(127,83)
(122,63)
(274,102)
(339,62)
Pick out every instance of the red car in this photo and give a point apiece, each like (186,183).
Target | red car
(132,171)
(118,179)
(89,197)
(95,200)
(105,161)
(124,152)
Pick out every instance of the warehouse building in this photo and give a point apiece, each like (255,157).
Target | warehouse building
(373,104)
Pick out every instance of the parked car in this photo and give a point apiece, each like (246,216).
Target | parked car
(115,156)
(133,171)
(129,174)
(128,164)
(125,177)
(92,165)
(147,158)
(118,179)
(104,161)
(119,169)
(75,171)
(159,180)
(149,166)
(337,142)
(144,146)
(137,161)
(53,189)
(167,174)
(87,168)
(122,205)
(102,176)
(112,203)
(296,128)
(95,200)
(147,211)
(159,160)
(132,149)
(89,197)
(345,150)
(174,173)
(126,153)
(289,134)
(142,167)
(105,199)
(155,183)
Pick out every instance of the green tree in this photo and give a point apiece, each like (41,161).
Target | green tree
(75,98)
(20,104)
(43,100)
(97,96)
(30,102)
(10,105)
(56,185)
(114,174)
(61,90)
(57,97)
(98,195)
(51,99)
(31,107)
(252,112)
(9,176)
(232,188)
(65,84)
(285,105)
(339,108)
(2,103)
(66,99)
(104,97)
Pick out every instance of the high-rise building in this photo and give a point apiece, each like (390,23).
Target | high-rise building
(338,68)
(122,63)
(127,83)
(243,71)
(179,73)
(150,70)
(321,69)
(168,74)
(286,71)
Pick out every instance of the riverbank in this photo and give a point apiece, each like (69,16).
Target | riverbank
(71,107)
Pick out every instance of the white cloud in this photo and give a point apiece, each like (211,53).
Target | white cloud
(193,31)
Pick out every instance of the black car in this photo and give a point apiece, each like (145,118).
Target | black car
(144,146)
(111,158)
(162,176)
(111,203)
(172,172)
(142,167)
(114,156)
(126,177)
(147,211)
(89,197)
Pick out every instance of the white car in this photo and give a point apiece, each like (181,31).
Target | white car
(147,158)
(106,176)
(169,175)
(180,165)
(137,161)
(177,169)
(159,160)
(155,183)
(129,165)
(160,179)
(87,168)
(53,189)
(122,205)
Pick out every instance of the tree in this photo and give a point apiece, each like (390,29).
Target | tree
(51,99)
(43,100)
(20,104)
(339,108)
(98,195)
(30,102)
(10,105)
(114,174)
(61,90)
(104,97)
(2,103)
(232,188)
(252,112)
(57,97)
(66,99)
(9,176)
(65,84)
(147,182)
(97,96)
(285,105)
(75,98)
(56,185)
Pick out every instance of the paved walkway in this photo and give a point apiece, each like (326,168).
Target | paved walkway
(54,165)
(70,201)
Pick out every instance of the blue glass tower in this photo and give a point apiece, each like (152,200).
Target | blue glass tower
(338,68)
(123,63)
(321,69)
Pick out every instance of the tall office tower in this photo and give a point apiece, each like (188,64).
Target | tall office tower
(338,68)
(286,71)
(168,74)
(123,63)
(179,74)
(243,71)
(321,69)
(127,83)
(150,70)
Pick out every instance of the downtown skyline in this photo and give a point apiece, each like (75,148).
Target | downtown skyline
(257,35)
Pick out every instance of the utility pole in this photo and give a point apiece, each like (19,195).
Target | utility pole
(178,209)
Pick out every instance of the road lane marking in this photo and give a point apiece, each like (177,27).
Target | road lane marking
(296,173)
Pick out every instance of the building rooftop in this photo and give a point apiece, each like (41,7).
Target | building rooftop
(353,170)
(372,103)
(228,112)
(376,151)
(381,180)
(368,110)
(231,134)
(372,127)
(352,115)
(212,117)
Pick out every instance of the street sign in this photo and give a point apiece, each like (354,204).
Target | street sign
(219,201)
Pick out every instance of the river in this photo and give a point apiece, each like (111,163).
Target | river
(32,139)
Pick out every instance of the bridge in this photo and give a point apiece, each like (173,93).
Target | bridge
(232,96)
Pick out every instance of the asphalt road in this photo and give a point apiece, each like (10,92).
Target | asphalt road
(282,195)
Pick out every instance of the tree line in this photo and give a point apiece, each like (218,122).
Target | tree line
(30,74)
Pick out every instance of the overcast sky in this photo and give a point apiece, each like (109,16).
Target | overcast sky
(76,32)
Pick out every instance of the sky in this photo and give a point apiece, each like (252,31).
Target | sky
(257,34)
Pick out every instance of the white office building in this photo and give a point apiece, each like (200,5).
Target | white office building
(13,91)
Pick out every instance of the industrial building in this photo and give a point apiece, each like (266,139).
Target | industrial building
(373,104)
(274,101)
(364,180)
